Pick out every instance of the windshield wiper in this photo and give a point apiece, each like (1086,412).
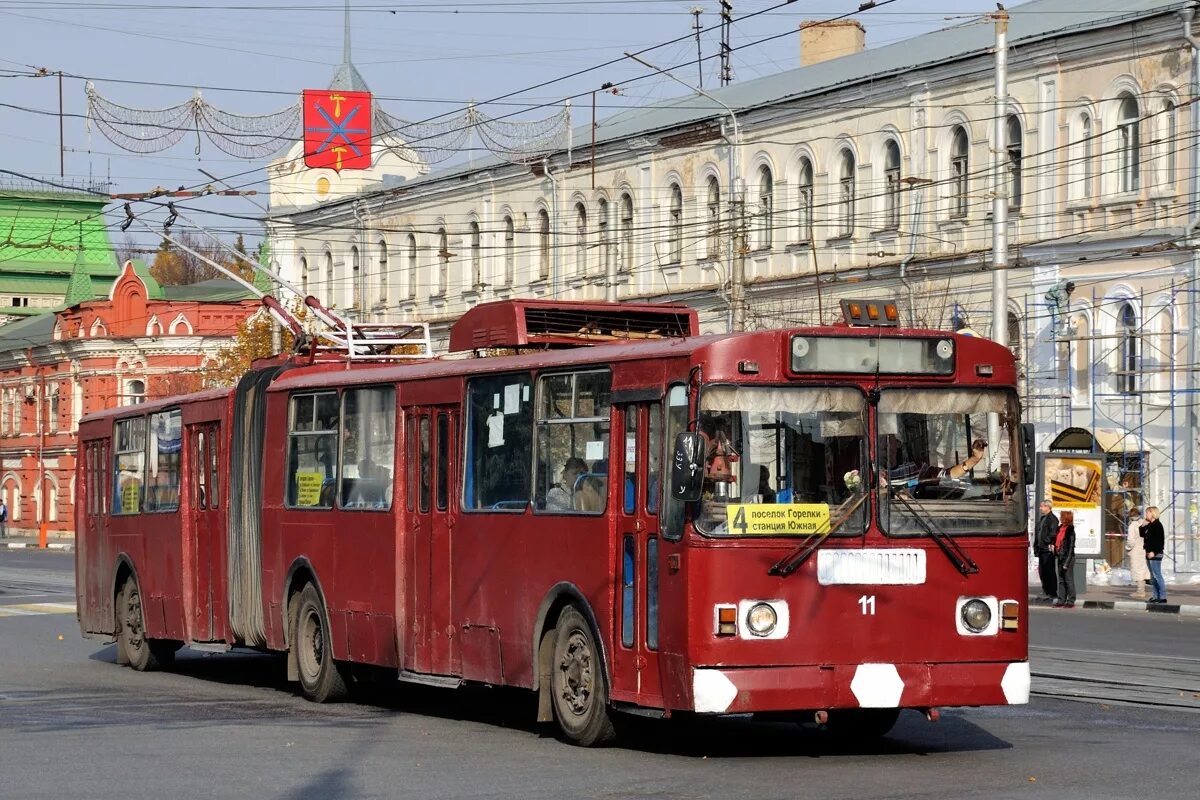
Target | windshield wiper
(792,561)
(958,557)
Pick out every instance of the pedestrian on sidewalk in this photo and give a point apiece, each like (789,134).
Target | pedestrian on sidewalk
(3,520)
(1043,548)
(1064,560)
(1154,538)
(1135,555)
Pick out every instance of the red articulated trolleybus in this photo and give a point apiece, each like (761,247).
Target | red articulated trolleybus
(593,502)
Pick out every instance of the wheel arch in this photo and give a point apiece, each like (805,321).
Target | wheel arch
(557,598)
(299,574)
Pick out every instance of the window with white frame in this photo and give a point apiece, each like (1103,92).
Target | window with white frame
(476,255)
(846,194)
(1080,371)
(443,261)
(604,235)
(713,207)
(510,247)
(1163,357)
(891,184)
(1081,155)
(959,172)
(626,233)
(675,226)
(1129,146)
(330,297)
(764,229)
(135,392)
(1167,145)
(53,408)
(412,265)
(581,240)
(355,280)
(1013,154)
(543,244)
(804,200)
(304,275)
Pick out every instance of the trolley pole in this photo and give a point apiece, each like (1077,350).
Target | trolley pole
(999,216)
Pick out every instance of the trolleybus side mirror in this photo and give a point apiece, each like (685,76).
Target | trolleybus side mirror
(687,467)
(1027,448)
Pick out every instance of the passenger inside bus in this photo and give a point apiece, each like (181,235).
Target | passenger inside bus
(371,488)
(562,496)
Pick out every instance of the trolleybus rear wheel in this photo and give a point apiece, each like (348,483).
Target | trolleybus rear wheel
(577,682)
(140,652)
(864,723)
(321,678)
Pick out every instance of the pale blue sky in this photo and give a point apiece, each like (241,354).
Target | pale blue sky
(426,58)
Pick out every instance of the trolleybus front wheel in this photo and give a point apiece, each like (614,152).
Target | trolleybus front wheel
(140,652)
(577,682)
(321,678)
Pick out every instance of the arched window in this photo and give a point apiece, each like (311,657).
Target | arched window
(804,200)
(412,265)
(714,217)
(543,244)
(1014,335)
(1128,349)
(510,248)
(891,185)
(959,172)
(1164,352)
(846,194)
(476,256)
(1129,158)
(1081,159)
(604,235)
(330,297)
(304,275)
(135,392)
(626,256)
(443,274)
(1012,146)
(1080,375)
(581,240)
(355,280)
(675,226)
(382,277)
(52,408)
(766,208)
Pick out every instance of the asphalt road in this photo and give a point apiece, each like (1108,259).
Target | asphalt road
(73,724)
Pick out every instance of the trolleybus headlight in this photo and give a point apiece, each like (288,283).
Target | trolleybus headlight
(945,348)
(976,615)
(761,619)
(799,347)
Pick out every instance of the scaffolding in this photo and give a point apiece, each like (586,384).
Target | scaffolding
(1125,387)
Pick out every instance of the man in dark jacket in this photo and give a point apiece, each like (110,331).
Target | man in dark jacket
(1043,539)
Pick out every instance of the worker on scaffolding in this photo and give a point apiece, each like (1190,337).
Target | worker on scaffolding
(1058,301)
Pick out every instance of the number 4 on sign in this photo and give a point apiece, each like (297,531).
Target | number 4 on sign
(867,601)
(739,520)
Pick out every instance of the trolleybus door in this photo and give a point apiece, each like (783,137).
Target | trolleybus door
(433,645)
(635,640)
(206,531)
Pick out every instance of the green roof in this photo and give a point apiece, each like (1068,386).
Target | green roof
(40,237)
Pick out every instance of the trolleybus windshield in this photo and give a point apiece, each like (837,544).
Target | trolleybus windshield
(949,458)
(780,459)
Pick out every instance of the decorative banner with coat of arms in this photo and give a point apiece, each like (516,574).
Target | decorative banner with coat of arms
(337,129)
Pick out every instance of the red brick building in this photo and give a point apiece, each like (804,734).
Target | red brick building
(143,340)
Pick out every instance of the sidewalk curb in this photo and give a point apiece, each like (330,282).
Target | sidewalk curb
(1127,605)
(66,547)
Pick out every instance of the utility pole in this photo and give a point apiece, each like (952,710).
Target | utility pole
(736,265)
(62,143)
(999,216)
(726,32)
(696,12)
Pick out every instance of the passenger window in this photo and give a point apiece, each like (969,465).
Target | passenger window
(129,472)
(313,451)
(631,472)
(214,453)
(677,418)
(166,439)
(410,460)
(499,443)
(200,463)
(654,447)
(368,448)
(572,442)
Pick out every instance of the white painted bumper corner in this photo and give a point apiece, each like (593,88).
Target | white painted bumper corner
(1015,683)
(712,691)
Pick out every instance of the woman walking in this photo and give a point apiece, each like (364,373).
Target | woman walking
(1064,560)
(1154,539)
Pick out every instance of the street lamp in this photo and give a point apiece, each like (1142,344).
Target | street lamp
(737,300)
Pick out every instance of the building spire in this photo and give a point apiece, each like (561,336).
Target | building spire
(347,79)
(79,289)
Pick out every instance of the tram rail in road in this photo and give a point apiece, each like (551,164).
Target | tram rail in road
(1115,677)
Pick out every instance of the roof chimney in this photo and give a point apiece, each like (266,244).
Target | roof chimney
(822,40)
